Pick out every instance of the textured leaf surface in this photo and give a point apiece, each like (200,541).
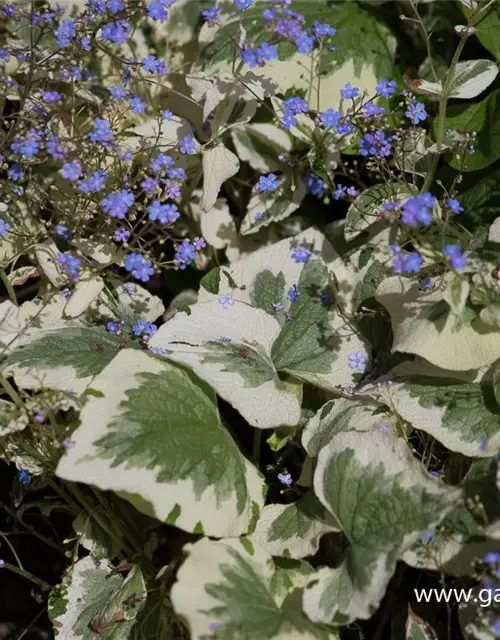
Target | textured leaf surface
(241,371)
(224,586)
(264,208)
(456,408)
(155,437)
(384,501)
(483,117)
(260,145)
(293,530)
(364,49)
(92,598)
(423,325)
(63,359)
(219,164)
(470,79)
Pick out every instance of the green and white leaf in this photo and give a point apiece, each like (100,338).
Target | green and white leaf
(83,295)
(341,415)
(91,595)
(359,60)
(293,530)
(115,303)
(11,418)
(452,406)
(93,537)
(418,629)
(163,135)
(367,207)
(384,500)
(213,89)
(217,225)
(219,164)
(232,587)
(46,254)
(470,78)
(134,440)
(248,382)
(64,359)
(274,207)
(260,144)
(423,325)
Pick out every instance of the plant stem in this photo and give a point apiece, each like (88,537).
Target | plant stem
(10,391)
(442,114)
(8,286)
(26,574)
(256,445)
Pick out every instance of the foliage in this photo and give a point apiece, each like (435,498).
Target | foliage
(250,315)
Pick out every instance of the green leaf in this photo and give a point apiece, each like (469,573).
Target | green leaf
(488,28)
(135,441)
(260,145)
(470,78)
(93,537)
(265,208)
(268,289)
(96,600)
(456,408)
(211,281)
(422,326)
(223,587)
(129,303)
(64,359)
(483,117)
(293,530)
(341,415)
(241,370)
(384,500)
(364,49)
(367,207)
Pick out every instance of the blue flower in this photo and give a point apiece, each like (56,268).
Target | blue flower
(372,110)
(64,33)
(167,115)
(118,93)
(339,191)
(416,112)
(185,255)
(251,57)
(425,283)
(330,118)
(70,264)
(301,254)
(211,14)
(71,170)
(137,105)
(285,478)
(386,87)
(144,271)
(293,293)
(417,210)
(314,184)
(24,477)
(117,204)
(457,260)
(323,30)
(349,92)
(454,205)
(102,131)
(187,145)
(428,535)
(29,148)
(268,51)
(51,96)
(199,243)
(413,262)
(158,9)
(493,557)
(117,32)
(269,183)
(296,104)
(62,230)
(164,213)
(357,360)
(278,306)
(376,145)
(4,228)
(226,300)
(132,261)
(145,329)
(242,4)
(121,234)
(304,43)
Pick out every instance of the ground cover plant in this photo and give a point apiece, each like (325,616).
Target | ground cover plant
(250,319)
